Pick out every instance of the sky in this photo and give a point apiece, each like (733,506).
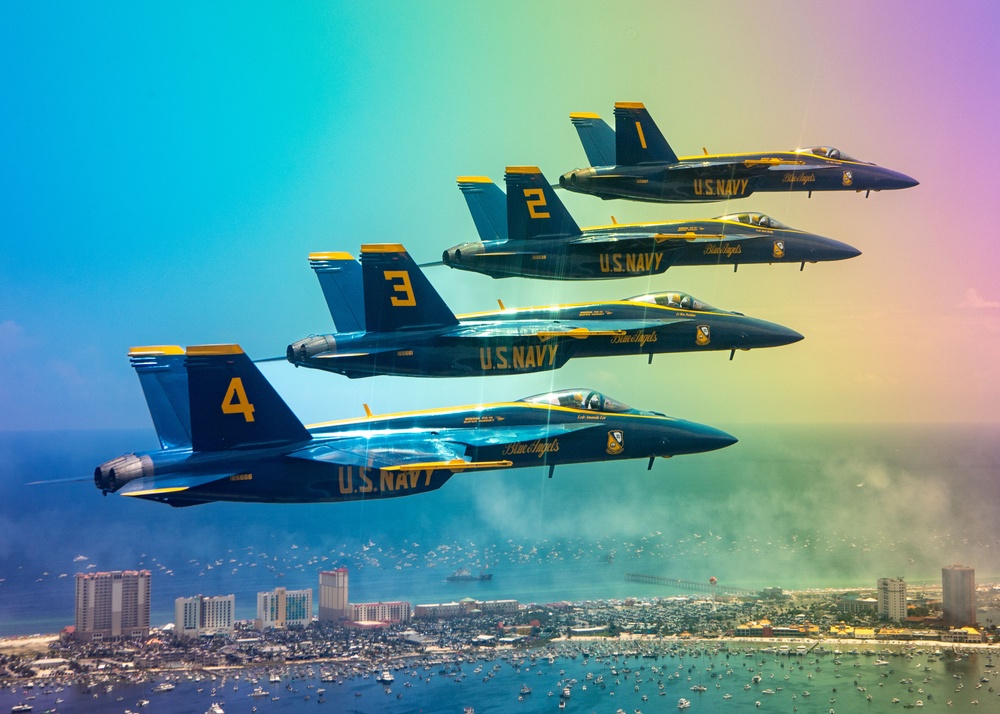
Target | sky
(166,168)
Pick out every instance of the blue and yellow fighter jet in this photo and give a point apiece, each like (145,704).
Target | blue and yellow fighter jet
(227,435)
(398,324)
(634,161)
(529,233)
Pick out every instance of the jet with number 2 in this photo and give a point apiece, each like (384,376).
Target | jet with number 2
(390,320)
(226,435)
(529,233)
(635,162)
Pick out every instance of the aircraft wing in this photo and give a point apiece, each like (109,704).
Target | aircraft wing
(448,449)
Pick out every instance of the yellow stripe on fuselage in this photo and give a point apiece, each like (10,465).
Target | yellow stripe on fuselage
(474,407)
(631,303)
(157,491)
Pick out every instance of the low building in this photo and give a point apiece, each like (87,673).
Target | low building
(383,612)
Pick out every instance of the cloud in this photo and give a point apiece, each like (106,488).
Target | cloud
(974,301)
(11,337)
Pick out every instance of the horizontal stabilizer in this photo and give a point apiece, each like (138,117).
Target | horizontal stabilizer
(597,137)
(488,206)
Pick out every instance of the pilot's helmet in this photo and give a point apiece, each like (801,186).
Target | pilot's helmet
(595,401)
(763,220)
(833,153)
(686,302)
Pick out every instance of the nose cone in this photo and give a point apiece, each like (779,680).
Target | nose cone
(820,249)
(879,179)
(688,437)
(760,333)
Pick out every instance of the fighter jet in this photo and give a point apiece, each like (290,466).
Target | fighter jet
(227,435)
(529,233)
(634,161)
(398,324)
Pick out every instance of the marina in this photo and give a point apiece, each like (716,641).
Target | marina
(605,675)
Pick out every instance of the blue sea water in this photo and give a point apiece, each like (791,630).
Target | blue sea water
(792,506)
(810,684)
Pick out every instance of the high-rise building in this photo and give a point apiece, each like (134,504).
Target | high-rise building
(200,615)
(283,608)
(892,599)
(333,595)
(112,605)
(958,586)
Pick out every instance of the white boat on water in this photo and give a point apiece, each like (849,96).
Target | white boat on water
(386,677)
(683,703)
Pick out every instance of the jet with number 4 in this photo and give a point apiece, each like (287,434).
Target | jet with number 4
(227,435)
(635,162)
(529,233)
(396,323)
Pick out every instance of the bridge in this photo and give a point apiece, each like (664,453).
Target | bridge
(701,587)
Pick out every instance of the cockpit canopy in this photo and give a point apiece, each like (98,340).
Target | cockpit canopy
(679,300)
(828,152)
(580,399)
(753,219)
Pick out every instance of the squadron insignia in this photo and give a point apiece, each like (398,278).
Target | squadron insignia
(848,178)
(616,442)
(703,335)
(779,249)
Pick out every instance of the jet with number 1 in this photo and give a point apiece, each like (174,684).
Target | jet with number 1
(391,320)
(529,233)
(635,162)
(227,435)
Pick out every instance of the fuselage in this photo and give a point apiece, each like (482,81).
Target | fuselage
(331,466)
(721,177)
(629,250)
(519,341)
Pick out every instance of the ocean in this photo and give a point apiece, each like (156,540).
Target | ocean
(789,506)
(737,681)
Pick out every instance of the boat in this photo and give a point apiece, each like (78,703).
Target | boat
(683,703)
(164,687)
(525,689)
(463,575)
(386,677)
(20,708)
(566,693)
(216,708)
(258,692)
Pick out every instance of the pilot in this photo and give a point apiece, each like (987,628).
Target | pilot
(763,221)
(687,303)
(672,300)
(833,153)
(594,404)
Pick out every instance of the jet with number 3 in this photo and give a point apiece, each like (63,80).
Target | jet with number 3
(529,233)
(635,162)
(391,321)
(227,435)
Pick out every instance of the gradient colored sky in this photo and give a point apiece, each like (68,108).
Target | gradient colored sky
(166,169)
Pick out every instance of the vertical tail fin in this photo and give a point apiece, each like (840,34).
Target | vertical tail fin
(637,138)
(488,206)
(232,405)
(533,208)
(165,384)
(397,293)
(339,276)
(597,137)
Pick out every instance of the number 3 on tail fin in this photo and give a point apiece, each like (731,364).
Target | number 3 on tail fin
(403,286)
(236,402)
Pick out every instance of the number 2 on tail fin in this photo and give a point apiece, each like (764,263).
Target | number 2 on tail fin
(236,402)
